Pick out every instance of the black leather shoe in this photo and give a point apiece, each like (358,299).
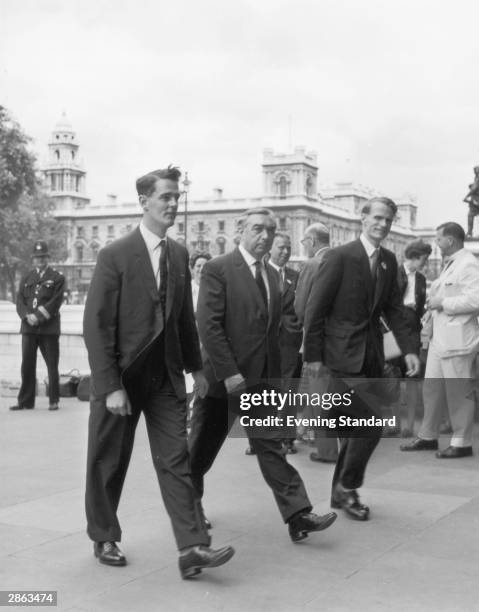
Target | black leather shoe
(455,452)
(202,557)
(109,553)
(300,525)
(17,407)
(250,451)
(53,407)
(349,502)
(316,457)
(418,444)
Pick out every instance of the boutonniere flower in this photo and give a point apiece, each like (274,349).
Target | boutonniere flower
(383,265)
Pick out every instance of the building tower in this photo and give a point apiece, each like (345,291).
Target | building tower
(64,174)
(290,175)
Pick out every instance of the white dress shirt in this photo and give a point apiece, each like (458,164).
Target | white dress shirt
(371,250)
(251,263)
(152,241)
(410,293)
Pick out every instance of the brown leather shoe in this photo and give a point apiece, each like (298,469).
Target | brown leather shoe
(418,444)
(109,553)
(201,557)
(455,452)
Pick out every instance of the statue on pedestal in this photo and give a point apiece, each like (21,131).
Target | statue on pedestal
(472,199)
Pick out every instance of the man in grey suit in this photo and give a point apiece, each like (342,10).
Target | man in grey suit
(316,243)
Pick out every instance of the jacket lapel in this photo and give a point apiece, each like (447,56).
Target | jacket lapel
(380,278)
(143,263)
(365,269)
(248,280)
(173,274)
(274,291)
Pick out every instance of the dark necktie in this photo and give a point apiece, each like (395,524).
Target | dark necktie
(373,262)
(260,282)
(163,270)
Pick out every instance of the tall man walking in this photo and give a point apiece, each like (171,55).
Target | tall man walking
(39,298)
(239,312)
(356,283)
(140,333)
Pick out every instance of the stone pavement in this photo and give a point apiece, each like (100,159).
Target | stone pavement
(419,551)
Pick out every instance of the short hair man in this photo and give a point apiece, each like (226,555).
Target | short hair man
(315,241)
(140,333)
(239,313)
(39,298)
(291,330)
(454,329)
(355,284)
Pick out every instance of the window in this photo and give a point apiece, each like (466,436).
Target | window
(79,231)
(79,253)
(57,154)
(201,226)
(111,231)
(282,223)
(283,187)
(221,226)
(221,242)
(181,227)
(73,154)
(94,231)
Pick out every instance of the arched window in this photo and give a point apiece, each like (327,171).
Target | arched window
(73,154)
(283,186)
(79,250)
(221,242)
(57,154)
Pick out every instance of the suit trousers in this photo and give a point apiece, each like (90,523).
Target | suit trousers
(110,443)
(49,346)
(357,444)
(210,426)
(448,389)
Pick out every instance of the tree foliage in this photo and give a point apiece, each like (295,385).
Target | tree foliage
(26,211)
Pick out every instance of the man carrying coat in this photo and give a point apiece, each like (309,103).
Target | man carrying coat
(140,333)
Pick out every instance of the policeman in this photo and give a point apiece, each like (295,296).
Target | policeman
(39,298)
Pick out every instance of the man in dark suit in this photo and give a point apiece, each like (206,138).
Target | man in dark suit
(39,297)
(290,329)
(356,283)
(239,313)
(412,290)
(316,244)
(140,333)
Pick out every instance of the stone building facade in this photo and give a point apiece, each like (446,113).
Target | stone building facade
(290,189)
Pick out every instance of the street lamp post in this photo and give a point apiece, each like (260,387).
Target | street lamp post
(186,186)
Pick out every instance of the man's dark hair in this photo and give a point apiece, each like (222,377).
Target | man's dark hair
(194,258)
(282,235)
(416,249)
(366,209)
(452,229)
(145,185)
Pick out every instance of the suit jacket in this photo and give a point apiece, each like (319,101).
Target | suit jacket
(305,282)
(342,314)
(455,329)
(123,315)
(420,290)
(43,297)
(290,329)
(238,333)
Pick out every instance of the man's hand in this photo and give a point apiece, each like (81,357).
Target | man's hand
(234,383)
(201,384)
(117,402)
(434,303)
(32,320)
(312,369)
(413,364)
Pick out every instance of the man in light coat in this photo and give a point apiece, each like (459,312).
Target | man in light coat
(454,329)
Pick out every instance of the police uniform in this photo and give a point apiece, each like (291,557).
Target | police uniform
(40,293)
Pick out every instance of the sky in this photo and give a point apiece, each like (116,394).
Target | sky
(385,91)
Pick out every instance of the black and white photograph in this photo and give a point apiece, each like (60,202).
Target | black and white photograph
(239,305)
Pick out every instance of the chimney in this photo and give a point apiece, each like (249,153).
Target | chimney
(111,199)
(218,193)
